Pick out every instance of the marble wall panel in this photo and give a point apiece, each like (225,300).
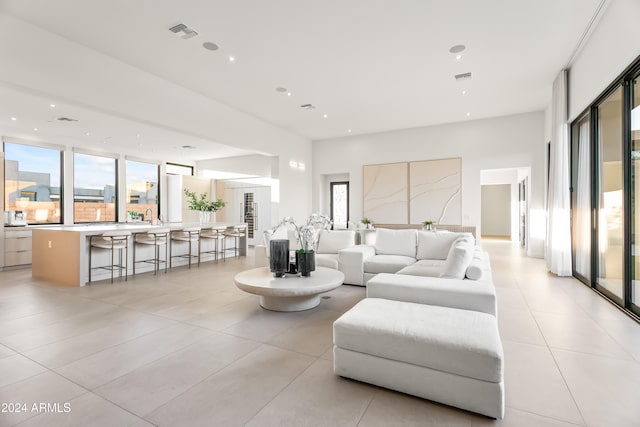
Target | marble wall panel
(435,191)
(385,193)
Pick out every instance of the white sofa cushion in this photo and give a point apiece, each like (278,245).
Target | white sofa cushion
(462,342)
(436,244)
(425,268)
(396,242)
(331,241)
(387,263)
(459,258)
(327,260)
(456,293)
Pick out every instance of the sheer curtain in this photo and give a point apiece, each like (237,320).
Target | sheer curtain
(558,245)
(582,218)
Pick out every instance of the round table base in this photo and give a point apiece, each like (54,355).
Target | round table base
(300,303)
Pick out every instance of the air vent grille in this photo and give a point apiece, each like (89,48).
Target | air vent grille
(188,147)
(307,106)
(183,31)
(463,76)
(66,119)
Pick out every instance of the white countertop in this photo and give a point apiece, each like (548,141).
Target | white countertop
(132,227)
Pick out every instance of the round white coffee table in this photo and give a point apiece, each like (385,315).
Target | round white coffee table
(290,293)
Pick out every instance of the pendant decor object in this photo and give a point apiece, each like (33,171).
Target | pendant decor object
(279,258)
(306,263)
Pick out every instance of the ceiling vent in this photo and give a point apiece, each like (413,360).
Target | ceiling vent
(463,77)
(66,119)
(188,147)
(307,106)
(183,31)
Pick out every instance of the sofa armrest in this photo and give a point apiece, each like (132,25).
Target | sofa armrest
(260,254)
(351,263)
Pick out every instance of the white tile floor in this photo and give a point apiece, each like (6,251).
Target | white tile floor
(188,348)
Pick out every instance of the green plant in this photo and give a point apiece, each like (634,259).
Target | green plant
(427,222)
(200,202)
(133,214)
(366,221)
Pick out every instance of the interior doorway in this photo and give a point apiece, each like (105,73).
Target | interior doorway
(496,211)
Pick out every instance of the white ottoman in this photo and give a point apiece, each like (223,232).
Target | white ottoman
(447,355)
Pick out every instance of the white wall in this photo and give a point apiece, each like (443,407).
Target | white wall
(611,47)
(505,142)
(496,210)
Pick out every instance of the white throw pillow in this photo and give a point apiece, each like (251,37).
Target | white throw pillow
(396,242)
(459,258)
(475,269)
(330,242)
(435,244)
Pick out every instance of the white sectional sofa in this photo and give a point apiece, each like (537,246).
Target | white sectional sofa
(412,252)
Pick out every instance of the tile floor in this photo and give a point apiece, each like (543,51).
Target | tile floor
(189,349)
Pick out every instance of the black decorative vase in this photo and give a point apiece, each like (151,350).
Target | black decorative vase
(306,263)
(279,258)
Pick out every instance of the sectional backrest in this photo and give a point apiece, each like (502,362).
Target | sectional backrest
(396,242)
(436,244)
(331,241)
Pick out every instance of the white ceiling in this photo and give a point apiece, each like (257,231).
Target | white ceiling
(370,65)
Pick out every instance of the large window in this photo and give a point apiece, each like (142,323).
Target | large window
(340,204)
(176,169)
(606,189)
(94,188)
(142,189)
(32,182)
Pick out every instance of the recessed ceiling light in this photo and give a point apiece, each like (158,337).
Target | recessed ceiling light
(288,93)
(232,59)
(348,130)
(325,115)
(13,119)
(468,114)
(210,46)
(464,92)
(35,129)
(52,105)
(458,57)
(457,48)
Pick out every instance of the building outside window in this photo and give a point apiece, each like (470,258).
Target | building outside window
(142,188)
(94,188)
(32,182)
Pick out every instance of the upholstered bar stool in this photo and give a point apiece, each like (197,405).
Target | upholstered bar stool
(236,233)
(111,240)
(157,238)
(188,235)
(218,238)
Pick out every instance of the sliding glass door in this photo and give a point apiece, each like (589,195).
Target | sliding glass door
(581,198)
(635,194)
(610,224)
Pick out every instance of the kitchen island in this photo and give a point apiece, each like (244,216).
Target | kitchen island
(60,254)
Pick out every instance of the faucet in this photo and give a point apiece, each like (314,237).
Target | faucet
(148,218)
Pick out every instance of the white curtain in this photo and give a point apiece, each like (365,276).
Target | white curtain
(582,218)
(558,245)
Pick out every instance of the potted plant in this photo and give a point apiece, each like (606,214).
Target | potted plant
(367,222)
(427,225)
(307,235)
(202,205)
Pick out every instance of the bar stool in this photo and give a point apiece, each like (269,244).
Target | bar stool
(111,240)
(189,235)
(156,238)
(236,233)
(218,238)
